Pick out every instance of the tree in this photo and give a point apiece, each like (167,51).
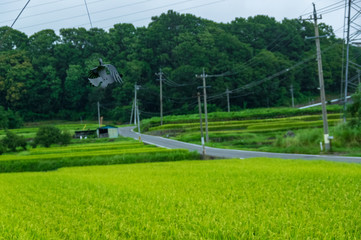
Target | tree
(9,119)
(12,39)
(76,88)
(355,108)
(15,71)
(12,141)
(49,135)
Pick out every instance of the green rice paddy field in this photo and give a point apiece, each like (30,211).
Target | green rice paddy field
(220,199)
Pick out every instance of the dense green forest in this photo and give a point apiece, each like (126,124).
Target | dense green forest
(44,76)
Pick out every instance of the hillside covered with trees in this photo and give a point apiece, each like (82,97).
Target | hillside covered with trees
(44,76)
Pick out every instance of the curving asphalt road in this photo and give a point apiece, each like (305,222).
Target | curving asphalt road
(227,153)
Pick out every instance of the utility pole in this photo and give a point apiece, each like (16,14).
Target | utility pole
(204,76)
(131,114)
(293,100)
(201,124)
(320,76)
(135,104)
(136,88)
(138,121)
(228,103)
(160,74)
(99,113)
(347,56)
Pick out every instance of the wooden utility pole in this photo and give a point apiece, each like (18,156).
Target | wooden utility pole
(228,103)
(293,100)
(322,86)
(347,56)
(138,120)
(135,104)
(201,123)
(131,113)
(204,76)
(99,113)
(160,74)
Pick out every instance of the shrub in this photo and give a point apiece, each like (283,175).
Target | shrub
(65,138)
(347,135)
(2,148)
(12,141)
(355,109)
(9,119)
(48,135)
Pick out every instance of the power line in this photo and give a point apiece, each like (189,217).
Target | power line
(256,83)
(109,9)
(20,14)
(4,3)
(87,10)
(181,10)
(82,15)
(142,11)
(57,10)
(33,6)
(326,8)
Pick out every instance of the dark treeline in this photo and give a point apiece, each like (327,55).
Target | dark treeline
(44,76)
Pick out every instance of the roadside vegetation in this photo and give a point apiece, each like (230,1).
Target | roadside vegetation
(275,130)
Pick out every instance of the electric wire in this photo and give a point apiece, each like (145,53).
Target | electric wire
(8,30)
(106,10)
(4,3)
(87,10)
(256,83)
(20,13)
(54,11)
(142,11)
(82,15)
(33,6)
(182,10)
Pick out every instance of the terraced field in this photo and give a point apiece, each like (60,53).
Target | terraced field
(257,125)
(42,159)
(30,129)
(251,134)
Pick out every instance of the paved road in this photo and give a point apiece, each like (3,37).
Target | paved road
(228,153)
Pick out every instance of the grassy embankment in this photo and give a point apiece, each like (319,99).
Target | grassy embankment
(263,130)
(30,129)
(118,152)
(222,199)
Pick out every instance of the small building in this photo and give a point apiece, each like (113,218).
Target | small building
(107,132)
(84,134)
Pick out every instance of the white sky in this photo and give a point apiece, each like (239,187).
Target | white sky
(57,14)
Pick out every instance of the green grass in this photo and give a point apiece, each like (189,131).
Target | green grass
(45,159)
(222,199)
(257,134)
(247,114)
(30,129)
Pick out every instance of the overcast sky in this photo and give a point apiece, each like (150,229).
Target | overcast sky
(57,14)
